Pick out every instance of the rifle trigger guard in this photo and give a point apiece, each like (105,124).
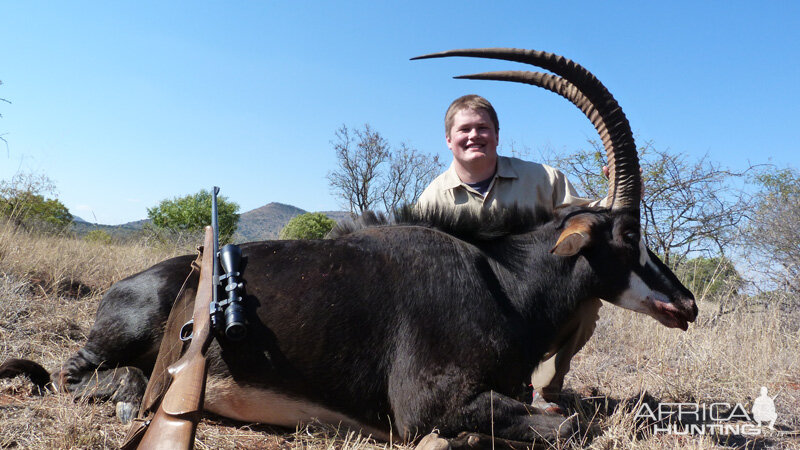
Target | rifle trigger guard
(187,331)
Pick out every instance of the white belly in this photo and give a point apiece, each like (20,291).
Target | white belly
(258,405)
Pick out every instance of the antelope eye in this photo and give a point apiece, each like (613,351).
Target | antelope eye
(632,237)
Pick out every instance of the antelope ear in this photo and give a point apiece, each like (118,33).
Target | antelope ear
(573,239)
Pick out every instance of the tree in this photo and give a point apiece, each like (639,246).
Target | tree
(358,159)
(688,206)
(774,231)
(23,203)
(712,277)
(193,212)
(361,178)
(410,172)
(307,226)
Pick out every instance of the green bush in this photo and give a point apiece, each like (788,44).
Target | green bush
(307,226)
(710,276)
(23,203)
(99,237)
(193,212)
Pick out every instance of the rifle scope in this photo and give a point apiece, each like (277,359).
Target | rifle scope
(230,257)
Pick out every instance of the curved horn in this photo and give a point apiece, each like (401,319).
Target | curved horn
(624,189)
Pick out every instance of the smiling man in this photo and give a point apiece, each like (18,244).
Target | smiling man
(480,179)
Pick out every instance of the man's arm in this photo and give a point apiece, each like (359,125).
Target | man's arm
(565,194)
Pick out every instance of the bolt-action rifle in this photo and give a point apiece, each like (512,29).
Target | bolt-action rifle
(173,424)
(175,421)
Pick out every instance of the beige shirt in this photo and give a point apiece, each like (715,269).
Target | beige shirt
(525,183)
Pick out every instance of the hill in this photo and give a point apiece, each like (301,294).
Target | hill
(123,232)
(259,224)
(265,222)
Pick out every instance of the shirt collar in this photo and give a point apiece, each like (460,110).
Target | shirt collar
(450,180)
(504,170)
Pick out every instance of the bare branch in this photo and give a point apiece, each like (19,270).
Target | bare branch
(409,173)
(773,236)
(687,207)
(361,180)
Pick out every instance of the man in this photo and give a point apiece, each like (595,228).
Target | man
(479,178)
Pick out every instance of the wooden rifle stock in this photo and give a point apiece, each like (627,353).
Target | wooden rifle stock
(175,421)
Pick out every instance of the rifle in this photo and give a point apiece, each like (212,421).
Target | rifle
(175,421)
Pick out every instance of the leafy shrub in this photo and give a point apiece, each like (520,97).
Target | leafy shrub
(99,237)
(714,276)
(23,203)
(192,213)
(307,226)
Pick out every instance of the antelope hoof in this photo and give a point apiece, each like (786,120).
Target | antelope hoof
(126,411)
(433,442)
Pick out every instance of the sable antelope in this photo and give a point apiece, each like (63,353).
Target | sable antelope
(435,321)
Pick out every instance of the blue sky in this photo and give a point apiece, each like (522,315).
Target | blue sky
(124,104)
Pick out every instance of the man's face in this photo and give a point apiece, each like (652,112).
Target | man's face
(473,139)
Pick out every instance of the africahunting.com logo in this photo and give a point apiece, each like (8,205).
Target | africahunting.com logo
(715,418)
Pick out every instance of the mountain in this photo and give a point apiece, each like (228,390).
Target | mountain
(124,231)
(259,224)
(265,222)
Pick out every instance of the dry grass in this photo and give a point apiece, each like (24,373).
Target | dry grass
(65,265)
(50,287)
(721,358)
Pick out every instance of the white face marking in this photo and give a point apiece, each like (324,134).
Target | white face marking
(635,297)
(640,298)
(259,405)
(644,258)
